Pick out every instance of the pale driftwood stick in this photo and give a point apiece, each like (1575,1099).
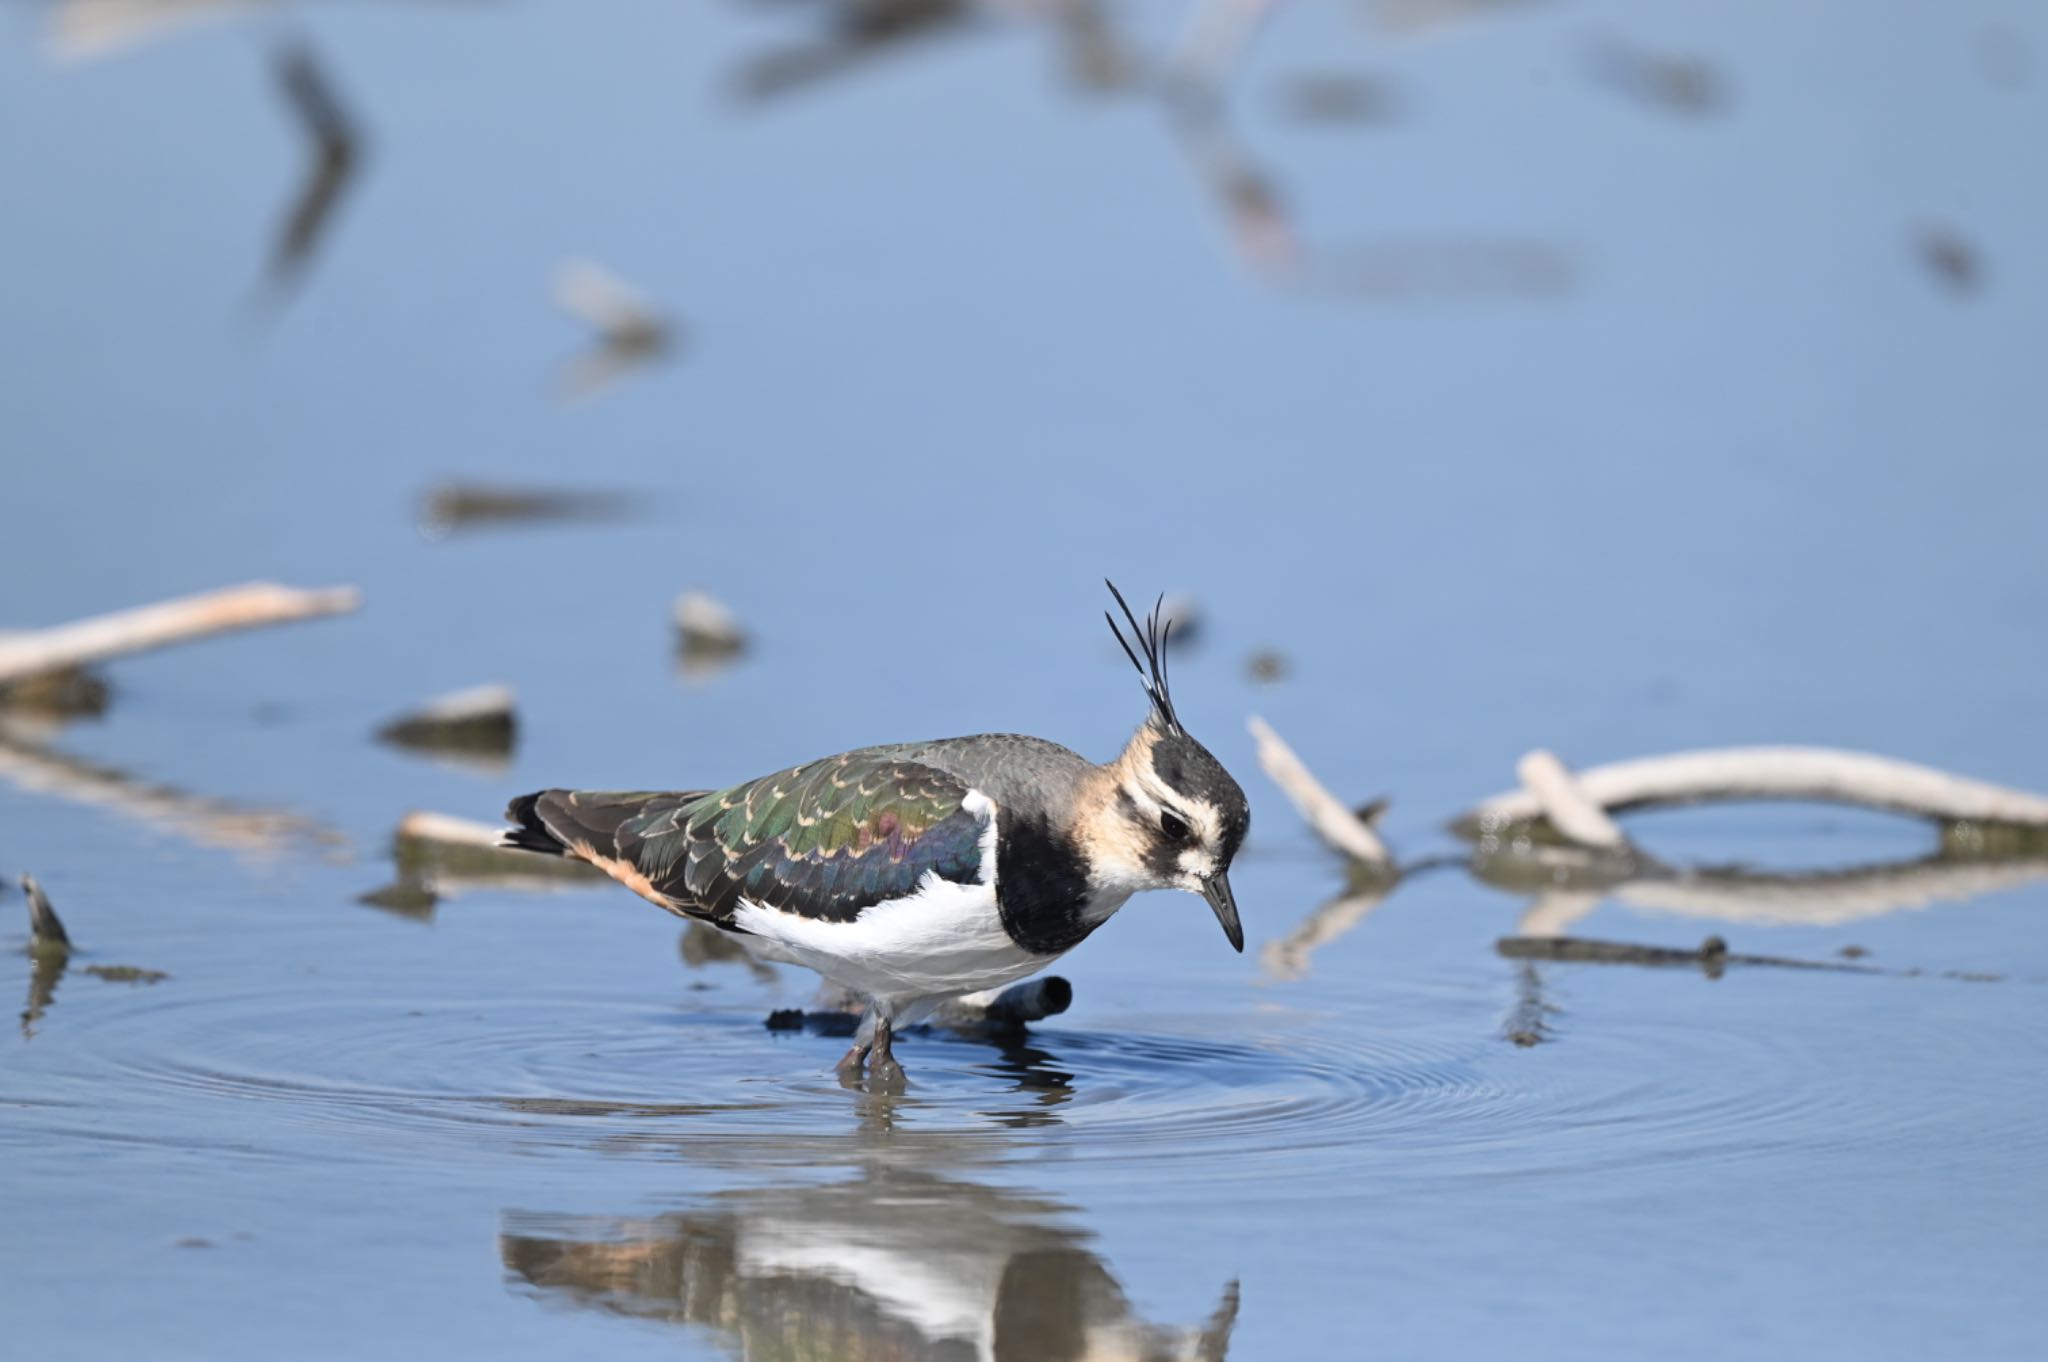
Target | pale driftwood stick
(1326,814)
(1810,773)
(211,822)
(1566,805)
(69,646)
(426,826)
(83,30)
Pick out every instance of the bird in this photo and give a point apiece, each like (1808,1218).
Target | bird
(915,872)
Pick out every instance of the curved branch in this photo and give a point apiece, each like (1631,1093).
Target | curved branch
(1821,774)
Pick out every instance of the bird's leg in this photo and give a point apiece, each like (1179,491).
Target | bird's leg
(884,1073)
(854,1059)
(864,1040)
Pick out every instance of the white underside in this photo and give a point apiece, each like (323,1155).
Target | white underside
(940,941)
(943,940)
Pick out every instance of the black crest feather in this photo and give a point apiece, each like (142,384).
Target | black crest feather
(1152,638)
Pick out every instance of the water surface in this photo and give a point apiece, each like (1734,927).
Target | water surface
(1517,386)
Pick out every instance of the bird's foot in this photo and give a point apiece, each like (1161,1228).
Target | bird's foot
(870,1065)
(851,1064)
(885,1076)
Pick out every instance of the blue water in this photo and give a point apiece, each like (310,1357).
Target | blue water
(1533,411)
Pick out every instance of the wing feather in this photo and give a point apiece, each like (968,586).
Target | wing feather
(826,840)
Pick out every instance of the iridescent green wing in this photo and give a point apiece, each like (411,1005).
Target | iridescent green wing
(824,840)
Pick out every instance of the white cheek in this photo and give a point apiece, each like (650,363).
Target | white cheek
(1198,864)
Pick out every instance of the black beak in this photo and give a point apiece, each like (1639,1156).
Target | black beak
(1216,889)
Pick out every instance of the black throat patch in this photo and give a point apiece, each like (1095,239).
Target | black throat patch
(1041,885)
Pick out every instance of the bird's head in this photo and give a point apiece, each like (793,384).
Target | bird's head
(1168,816)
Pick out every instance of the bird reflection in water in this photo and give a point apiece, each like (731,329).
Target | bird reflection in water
(891,1263)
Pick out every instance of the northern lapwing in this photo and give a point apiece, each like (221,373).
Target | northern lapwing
(915,872)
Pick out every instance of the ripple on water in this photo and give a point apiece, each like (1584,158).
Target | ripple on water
(1304,1102)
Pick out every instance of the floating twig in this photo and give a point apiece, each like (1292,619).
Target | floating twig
(1825,775)
(71,646)
(1711,956)
(454,506)
(1326,814)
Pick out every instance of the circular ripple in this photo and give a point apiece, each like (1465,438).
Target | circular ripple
(1289,1103)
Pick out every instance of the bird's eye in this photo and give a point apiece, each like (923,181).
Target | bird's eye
(1173,827)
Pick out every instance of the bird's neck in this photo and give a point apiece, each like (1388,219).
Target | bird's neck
(1104,830)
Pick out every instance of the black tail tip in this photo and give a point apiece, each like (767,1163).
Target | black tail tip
(528,833)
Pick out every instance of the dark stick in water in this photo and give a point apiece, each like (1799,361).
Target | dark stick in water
(46,932)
